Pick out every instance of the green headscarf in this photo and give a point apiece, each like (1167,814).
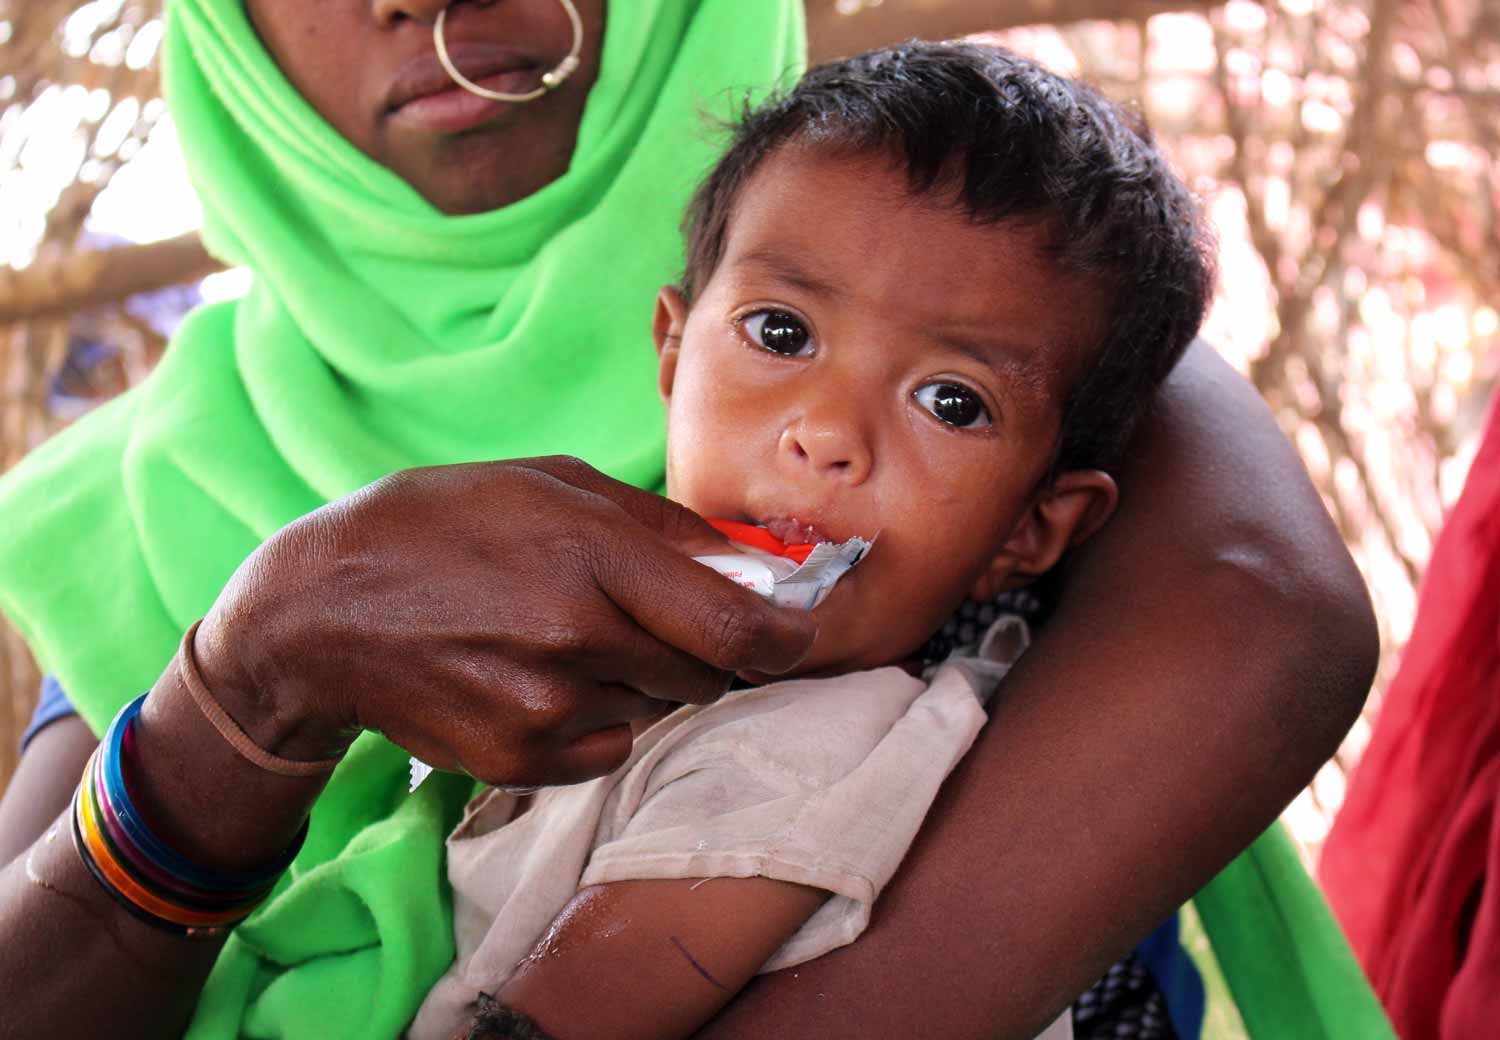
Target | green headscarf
(378,335)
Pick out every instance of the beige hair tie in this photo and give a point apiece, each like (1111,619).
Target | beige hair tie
(187,667)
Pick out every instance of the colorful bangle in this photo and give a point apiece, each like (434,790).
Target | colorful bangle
(149,879)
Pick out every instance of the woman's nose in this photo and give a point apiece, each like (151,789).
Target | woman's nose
(830,444)
(388,12)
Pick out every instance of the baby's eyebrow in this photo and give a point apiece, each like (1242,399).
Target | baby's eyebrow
(1033,366)
(783,268)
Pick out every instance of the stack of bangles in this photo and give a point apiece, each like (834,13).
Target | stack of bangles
(153,882)
(150,880)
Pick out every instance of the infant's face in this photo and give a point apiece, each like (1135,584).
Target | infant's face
(862,362)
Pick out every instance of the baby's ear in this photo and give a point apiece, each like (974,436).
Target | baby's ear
(1064,514)
(666,329)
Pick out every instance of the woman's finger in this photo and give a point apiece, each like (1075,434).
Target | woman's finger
(700,612)
(591,755)
(603,705)
(674,523)
(677,600)
(637,659)
(498,745)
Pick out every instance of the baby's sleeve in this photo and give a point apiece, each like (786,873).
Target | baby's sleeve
(816,782)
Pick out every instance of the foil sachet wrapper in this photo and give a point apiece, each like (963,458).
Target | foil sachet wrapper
(782,579)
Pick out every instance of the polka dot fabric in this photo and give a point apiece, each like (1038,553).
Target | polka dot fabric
(974,618)
(1126,1004)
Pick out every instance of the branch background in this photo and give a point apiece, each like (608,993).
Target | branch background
(1346,150)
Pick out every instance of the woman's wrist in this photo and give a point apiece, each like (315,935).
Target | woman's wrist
(148,878)
(201,795)
(278,710)
(234,734)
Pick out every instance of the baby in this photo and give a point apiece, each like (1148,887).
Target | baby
(928,295)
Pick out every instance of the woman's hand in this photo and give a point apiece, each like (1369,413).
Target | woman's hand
(507,619)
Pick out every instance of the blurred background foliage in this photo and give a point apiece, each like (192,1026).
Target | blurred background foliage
(1346,150)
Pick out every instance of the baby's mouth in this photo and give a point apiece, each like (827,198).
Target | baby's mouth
(781,536)
(792,531)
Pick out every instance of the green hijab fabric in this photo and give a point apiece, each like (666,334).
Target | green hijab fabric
(1287,963)
(379,335)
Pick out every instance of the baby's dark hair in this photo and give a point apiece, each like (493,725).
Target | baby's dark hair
(1010,141)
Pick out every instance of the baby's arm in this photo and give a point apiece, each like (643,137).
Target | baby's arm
(811,786)
(653,959)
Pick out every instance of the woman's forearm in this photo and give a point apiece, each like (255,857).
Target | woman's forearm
(118,976)
(42,783)
(1211,646)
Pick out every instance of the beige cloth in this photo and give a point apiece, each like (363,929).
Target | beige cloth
(822,782)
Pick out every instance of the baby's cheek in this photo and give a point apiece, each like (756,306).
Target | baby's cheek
(680,476)
(878,627)
(936,593)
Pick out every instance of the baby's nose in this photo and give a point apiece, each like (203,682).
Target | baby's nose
(833,449)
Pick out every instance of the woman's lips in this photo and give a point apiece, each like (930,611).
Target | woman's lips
(456,110)
(425,97)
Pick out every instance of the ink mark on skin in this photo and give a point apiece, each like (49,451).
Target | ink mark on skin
(700,969)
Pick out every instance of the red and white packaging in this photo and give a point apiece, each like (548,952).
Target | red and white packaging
(788,575)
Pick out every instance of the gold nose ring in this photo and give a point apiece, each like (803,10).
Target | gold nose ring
(551,79)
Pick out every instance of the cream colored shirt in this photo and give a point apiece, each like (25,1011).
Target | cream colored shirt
(821,782)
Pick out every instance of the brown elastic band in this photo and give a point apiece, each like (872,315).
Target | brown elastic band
(187,667)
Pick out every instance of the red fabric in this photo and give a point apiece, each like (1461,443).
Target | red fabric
(1412,864)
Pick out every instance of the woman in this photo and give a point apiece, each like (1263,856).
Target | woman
(498,616)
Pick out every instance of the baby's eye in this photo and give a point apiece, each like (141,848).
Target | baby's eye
(779,332)
(954,404)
